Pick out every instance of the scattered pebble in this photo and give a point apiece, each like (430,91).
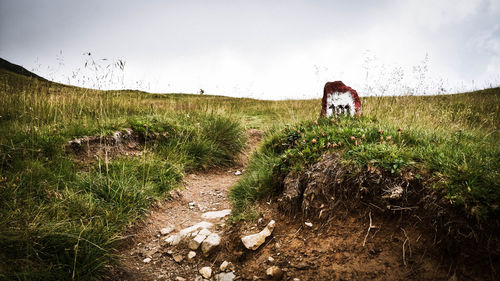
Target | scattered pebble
(178,258)
(237,173)
(270,259)
(225,276)
(178,278)
(224,265)
(274,272)
(191,255)
(206,272)
(146,260)
(308,224)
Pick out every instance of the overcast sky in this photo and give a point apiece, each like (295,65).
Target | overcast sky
(261,49)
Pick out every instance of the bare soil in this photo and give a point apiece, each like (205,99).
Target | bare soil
(339,249)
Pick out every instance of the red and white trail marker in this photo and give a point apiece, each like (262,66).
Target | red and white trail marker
(339,99)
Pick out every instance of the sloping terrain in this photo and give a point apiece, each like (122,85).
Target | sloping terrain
(14,68)
(74,201)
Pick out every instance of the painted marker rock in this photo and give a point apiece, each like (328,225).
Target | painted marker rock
(339,99)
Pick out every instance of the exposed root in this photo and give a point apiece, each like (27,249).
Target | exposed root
(369,227)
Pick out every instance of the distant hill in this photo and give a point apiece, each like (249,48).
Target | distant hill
(6,65)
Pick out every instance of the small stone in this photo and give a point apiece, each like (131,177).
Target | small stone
(146,260)
(196,241)
(206,272)
(191,255)
(178,258)
(197,227)
(173,240)
(270,259)
(254,241)
(308,224)
(274,272)
(225,276)
(224,265)
(300,265)
(198,278)
(212,241)
(205,232)
(296,279)
(237,173)
(178,278)
(166,230)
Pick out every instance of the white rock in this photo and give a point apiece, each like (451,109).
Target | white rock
(308,224)
(173,239)
(166,230)
(201,225)
(178,278)
(224,265)
(212,241)
(196,241)
(216,214)
(274,272)
(206,272)
(205,231)
(254,241)
(237,173)
(146,260)
(225,276)
(270,259)
(191,255)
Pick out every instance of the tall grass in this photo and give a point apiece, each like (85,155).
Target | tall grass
(59,219)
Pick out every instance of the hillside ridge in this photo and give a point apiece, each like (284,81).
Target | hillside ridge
(6,65)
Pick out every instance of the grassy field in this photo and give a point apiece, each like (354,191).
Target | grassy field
(60,219)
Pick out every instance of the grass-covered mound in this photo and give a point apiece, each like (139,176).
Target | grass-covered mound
(452,167)
(464,168)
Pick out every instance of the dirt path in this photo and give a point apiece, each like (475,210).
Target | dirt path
(202,192)
(199,193)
